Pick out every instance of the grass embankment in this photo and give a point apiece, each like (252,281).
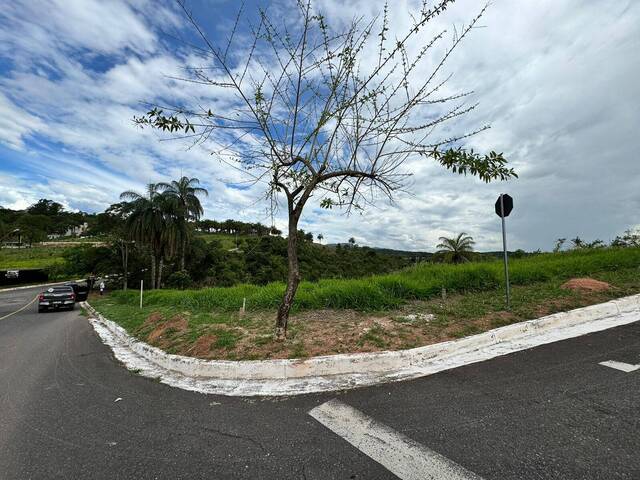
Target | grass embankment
(227,240)
(399,310)
(34,257)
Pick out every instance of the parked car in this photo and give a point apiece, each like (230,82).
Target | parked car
(80,289)
(57,297)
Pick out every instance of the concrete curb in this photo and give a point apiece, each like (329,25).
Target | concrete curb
(339,372)
(25,287)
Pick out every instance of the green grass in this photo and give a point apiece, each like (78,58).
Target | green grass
(227,240)
(226,338)
(386,292)
(374,336)
(35,257)
(474,303)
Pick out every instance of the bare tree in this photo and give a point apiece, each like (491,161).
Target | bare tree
(331,113)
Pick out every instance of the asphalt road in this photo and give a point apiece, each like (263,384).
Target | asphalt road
(548,413)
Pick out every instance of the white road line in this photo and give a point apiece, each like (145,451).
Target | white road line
(20,309)
(625,367)
(400,455)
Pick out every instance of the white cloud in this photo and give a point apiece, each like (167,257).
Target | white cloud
(556,79)
(15,123)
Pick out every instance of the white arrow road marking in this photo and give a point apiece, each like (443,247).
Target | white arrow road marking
(625,367)
(400,455)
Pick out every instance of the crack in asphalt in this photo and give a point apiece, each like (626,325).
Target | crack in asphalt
(238,437)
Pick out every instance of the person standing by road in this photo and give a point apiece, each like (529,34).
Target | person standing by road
(102,287)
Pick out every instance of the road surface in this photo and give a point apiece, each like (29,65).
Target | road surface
(68,409)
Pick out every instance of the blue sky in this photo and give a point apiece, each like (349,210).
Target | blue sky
(557,80)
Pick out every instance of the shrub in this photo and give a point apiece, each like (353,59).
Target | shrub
(180,279)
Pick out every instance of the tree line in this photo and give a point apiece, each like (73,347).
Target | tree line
(233,227)
(38,221)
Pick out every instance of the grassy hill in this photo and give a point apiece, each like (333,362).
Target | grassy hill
(35,257)
(227,240)
(378,292)
(391,311)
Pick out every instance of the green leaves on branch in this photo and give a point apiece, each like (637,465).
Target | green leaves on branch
(327,203)
(154,118)
(487,168)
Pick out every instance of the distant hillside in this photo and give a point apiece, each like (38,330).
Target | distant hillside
(431,255)
(387,251)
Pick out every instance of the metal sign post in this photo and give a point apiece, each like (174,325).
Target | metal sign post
(141,288)
(504,205)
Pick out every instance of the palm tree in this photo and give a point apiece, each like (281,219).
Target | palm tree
(151,221)
(352,242)
(577,242)
(184,193)
(320,237)
(458,249)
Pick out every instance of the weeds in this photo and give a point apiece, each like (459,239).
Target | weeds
(385,292)
(374,336)
(475,303)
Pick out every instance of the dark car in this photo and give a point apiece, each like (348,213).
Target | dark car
(58,297)
(80,289)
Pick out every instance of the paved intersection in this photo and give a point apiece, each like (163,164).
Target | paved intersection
(553,412)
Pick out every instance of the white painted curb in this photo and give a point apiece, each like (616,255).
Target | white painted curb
(25,287)
(339,372)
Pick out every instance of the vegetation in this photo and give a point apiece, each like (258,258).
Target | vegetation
(380,292)
(161,218)
(630,238)
(314,116)
(187,207)
(458,249)
(37,222)
(401,310)
(235,227)
(237,252)
(27,258)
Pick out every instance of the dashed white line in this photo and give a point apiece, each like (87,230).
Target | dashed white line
(625,367)
(402,456)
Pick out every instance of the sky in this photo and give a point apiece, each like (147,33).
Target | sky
(557,80)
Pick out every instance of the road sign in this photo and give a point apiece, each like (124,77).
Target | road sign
(504,205)
(507,204)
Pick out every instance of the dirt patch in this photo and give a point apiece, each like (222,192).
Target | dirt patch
(320,332)
(588,284)
(159,335)
(202,346)
(152,321)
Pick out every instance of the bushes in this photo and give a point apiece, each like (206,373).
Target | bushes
(179,279)
(381,292)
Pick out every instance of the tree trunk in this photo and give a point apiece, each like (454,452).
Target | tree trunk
(184,252)
(160,265)
(153,271)
(293,280)
(125,261)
